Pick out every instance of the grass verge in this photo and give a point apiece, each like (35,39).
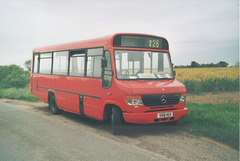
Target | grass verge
(18,94)
(219,122)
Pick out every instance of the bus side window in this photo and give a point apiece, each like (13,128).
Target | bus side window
(60,62)
(45,63)
(77,63)
(94,62)
(35,63)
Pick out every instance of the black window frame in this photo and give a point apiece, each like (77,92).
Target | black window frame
(70,51)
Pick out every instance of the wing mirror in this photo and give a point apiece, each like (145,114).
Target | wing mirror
(104,62)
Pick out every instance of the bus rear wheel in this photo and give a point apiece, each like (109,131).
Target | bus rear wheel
(116,121)
(53,105)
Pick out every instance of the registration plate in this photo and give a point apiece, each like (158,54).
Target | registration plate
(167,114)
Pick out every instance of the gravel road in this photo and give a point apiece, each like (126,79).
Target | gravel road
(29,132)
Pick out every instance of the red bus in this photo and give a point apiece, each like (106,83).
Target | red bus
(121,77)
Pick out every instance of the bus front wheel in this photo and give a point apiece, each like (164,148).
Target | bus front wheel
(116,121)
(53,105)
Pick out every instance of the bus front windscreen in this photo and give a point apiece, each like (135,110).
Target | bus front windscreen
(135,65)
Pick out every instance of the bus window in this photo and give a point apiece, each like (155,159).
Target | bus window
(143,65)
(60,62)
(45,63)
(94,62)
(77,63)
(35,63)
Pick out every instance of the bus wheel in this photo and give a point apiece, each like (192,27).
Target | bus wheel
(116,121)
(53,105)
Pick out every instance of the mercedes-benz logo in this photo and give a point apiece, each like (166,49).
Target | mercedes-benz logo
(163,99)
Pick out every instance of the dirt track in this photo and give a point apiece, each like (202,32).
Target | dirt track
(155,141)
(217,98)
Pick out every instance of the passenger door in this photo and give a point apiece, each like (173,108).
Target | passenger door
(93,98)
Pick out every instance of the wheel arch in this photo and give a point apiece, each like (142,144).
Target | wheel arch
(107,112)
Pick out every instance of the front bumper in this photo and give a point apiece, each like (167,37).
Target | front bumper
(151,117)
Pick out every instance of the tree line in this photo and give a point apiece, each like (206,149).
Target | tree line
(195,64)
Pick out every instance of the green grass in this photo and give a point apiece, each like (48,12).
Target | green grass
(212,85)
(18,94)
(218,122)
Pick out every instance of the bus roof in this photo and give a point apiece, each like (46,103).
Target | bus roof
(96,42)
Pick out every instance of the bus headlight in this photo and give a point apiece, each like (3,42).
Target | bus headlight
(134,100)
(182,99)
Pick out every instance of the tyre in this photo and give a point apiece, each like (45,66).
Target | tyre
(116,121)
(53,105)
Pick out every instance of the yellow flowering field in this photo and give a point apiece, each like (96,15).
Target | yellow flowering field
(199,74)
(212,79)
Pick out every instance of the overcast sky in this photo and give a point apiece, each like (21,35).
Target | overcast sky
(198,30)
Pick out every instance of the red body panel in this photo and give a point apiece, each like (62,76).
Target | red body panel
(68,89)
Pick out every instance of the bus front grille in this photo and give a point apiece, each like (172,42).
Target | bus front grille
(161,99)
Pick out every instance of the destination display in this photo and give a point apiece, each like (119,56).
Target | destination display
(137,41)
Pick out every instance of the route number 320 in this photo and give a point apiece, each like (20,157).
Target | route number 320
(153,43)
